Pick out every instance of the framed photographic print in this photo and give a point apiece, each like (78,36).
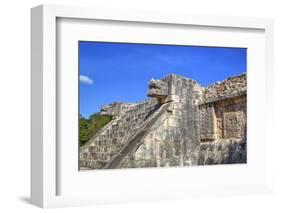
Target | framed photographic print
(149,106)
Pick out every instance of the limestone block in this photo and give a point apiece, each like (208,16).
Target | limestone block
(207,123)
(234,124)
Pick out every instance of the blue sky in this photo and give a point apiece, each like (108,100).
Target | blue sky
(120,72)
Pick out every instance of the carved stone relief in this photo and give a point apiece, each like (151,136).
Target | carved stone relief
(233,124)
(207,123)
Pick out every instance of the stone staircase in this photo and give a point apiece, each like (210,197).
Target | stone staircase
(135,140)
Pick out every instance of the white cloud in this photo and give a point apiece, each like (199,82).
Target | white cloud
(85,79)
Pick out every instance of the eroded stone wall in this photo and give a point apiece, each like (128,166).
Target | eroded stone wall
(223,151)
(200,126)
(107,143)
(116,109)
(231,87)
(176,140)
(223,126)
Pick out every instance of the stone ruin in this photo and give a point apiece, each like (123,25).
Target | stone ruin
(180,124)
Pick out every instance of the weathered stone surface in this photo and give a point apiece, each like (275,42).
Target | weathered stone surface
(223,151)
(234,124)
(207,123)
(158,89)
(231,87)
(180,124)
(115,109)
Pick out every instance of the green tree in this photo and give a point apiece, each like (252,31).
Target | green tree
(89,127)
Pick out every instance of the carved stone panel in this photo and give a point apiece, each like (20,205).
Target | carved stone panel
(207,123)
(233,124)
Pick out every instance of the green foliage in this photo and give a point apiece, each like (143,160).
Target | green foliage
(89,127)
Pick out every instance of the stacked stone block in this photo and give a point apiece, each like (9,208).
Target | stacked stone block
(107,143)
(223,116)
(200,126)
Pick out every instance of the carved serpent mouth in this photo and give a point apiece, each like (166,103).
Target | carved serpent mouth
(153,92)
(158,89)
(154,85)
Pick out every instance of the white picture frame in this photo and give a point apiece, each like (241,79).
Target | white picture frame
(45,168)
